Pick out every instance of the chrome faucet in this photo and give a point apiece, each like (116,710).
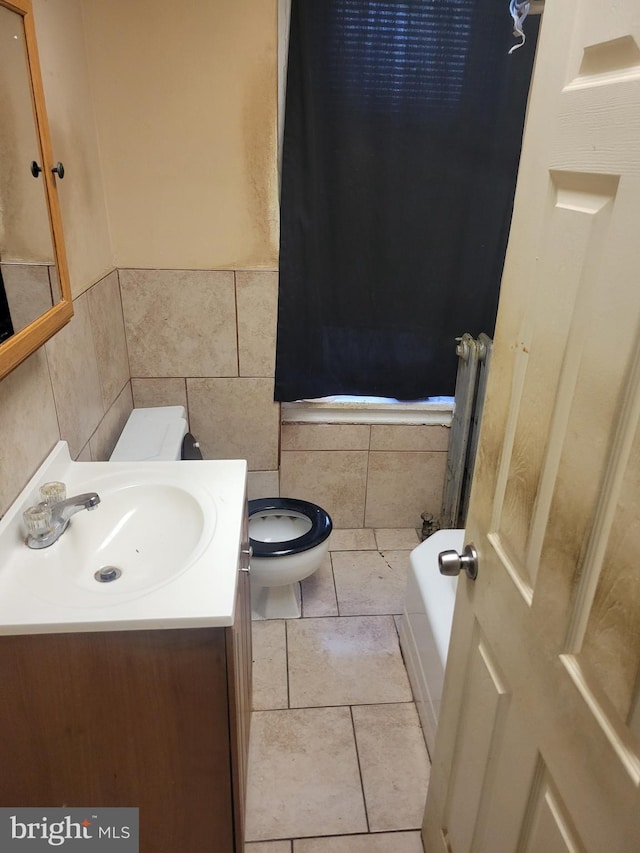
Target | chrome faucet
(49,521)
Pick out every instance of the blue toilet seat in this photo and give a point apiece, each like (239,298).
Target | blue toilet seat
(321,526)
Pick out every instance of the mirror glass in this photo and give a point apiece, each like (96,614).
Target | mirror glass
(28,278)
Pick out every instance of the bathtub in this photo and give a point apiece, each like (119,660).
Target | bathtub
(425,626)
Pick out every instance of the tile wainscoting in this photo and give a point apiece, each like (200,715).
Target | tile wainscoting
(76,388)
(366,475)
(205,339)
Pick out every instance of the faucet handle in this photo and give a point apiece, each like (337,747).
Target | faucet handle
(37,520)
(53,493)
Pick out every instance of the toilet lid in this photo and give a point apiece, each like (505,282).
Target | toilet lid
(152,435)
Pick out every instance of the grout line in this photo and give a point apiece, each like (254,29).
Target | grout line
(124,326)
(342,616)
(366,488)
(333,835)
(355,743)
(237,318)
(345,705)
(45,349)
(186,400)
(345,835)
(286,657)
(351,550)
(335,588)
(301,588)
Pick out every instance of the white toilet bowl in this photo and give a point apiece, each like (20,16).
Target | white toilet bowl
(289,539)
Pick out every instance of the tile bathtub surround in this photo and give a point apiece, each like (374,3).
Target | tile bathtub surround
(403,484)
(335,480)
(409,437)
(366,475)
(325,436)
(348,697)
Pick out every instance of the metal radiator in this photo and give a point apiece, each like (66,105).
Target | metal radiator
(474,357)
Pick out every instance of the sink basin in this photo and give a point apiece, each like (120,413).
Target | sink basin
(159,550)
(148,533)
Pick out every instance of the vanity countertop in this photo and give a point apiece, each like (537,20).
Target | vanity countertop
(173,528)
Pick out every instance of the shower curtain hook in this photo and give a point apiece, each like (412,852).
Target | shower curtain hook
(519,10)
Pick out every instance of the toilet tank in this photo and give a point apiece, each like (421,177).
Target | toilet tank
(152,435)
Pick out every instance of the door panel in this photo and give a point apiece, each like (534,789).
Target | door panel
(548,827)
(538,747)
(485,701)
(610,648)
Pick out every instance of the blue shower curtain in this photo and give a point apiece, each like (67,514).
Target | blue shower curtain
(402,138)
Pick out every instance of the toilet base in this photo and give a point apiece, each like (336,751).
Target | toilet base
(276,602)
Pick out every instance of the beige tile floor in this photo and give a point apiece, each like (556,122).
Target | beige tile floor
(337,762)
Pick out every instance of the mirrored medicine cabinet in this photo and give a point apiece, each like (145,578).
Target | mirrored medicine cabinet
(35,296)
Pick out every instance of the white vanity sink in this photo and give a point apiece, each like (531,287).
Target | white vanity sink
(159,551)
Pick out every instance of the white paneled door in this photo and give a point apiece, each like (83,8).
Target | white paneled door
(538,749)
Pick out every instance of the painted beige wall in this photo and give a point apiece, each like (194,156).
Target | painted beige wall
(77,386)
(63,59)
(186,105)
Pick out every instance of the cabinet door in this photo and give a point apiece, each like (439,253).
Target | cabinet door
(128,718)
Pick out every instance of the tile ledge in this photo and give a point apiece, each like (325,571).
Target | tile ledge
(356,412)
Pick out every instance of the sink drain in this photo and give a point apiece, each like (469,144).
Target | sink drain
(107,574)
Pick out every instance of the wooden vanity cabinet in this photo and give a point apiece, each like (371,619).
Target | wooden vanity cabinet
(154,719)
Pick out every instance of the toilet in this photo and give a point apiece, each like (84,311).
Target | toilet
(289,537)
